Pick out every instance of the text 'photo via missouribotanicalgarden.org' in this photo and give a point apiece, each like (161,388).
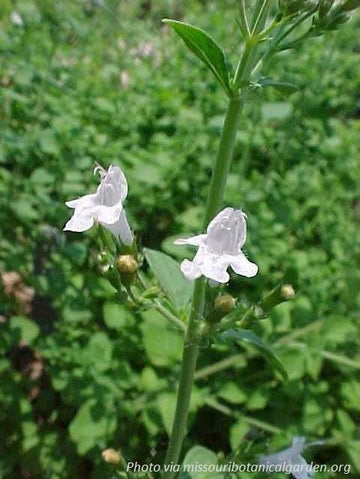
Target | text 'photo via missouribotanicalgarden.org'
(179,239)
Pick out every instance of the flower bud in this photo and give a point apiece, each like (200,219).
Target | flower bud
(126,264)
(287,292)
(278,295)
(111,456)
(225,303)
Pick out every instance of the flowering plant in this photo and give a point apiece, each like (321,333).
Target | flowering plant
(213,315)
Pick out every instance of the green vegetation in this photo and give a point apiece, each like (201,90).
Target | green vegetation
(93,81)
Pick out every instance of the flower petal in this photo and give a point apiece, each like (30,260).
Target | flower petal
(190,270)
(222,216)
(122,229)
(117,177)
(79,223)
(194,240)
(212,266)
(113,188)
(108,215)
(216,272)
(226,233)
(86,201)
(241,265)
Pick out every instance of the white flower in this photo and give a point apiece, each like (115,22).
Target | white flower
(291,460)
(220,248)
(16,19)
(105,206)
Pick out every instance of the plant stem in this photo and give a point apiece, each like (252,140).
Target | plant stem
(245,66)
(190,352)
(218,366)
(169,316)
(223,160)
(214,203)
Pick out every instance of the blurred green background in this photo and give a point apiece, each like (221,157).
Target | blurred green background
(85,81)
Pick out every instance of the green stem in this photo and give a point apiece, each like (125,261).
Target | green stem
(214,203)
(265,426)
(190,352)
(230,361)
(162,310)
(219,366)
(223,160)
(188,366)
(169,316)
(337,358)
(245,66)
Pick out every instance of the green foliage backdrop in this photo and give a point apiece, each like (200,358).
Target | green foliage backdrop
(92,81)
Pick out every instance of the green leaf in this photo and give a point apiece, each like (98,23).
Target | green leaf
(166,404)
(116,316)
(237,433)
(350,393)
(92,425)
(353,451)
(350,5)
(205,48)
(276,110)
(171,279)
(98,352)
(199,456)
(283,87)
(163,345)
(244,335)
(23,329)
(294,358)
(232,393)
(41,176)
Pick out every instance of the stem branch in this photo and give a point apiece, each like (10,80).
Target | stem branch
(169,316)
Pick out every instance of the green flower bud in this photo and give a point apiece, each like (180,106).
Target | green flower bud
(225,303)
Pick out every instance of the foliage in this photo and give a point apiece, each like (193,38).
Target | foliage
(93,81)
